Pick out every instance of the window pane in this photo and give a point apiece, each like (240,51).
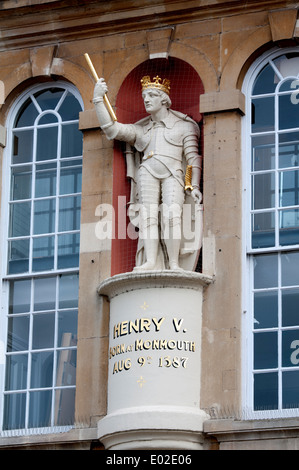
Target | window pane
(288,113)
(27,114)
(46,147)
(289,149)
(22,146)
(20,215)
(18,333)
(45,294)
(45,180)
(265,350)
(14,411)
(263,114)
(263,190)
(43,331)
(289,269)
(48,118)
(289,85)
(19,296)
(290,307)
(41,369)
(21,183)
(40,409)
(18,256)
(289,227)
(16,372)
(265,271)
(266,309)
(290,348)
(266,391)
(289,188)
(263,234)
(43,254)
(49,99)
(68,250)
(71,176)
(68,291)
(67,328)
(70,108)
(287,64)
(290,389)
(64,407)
(66,367)
(44,216)
(265,82)
(69,213)
(263,152)
(71,141)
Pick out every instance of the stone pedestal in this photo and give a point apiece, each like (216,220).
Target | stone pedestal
(154,361)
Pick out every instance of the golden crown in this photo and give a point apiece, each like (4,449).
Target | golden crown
(156,83)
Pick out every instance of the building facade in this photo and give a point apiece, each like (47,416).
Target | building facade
(234,68)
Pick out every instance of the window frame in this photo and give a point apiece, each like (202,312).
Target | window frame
(248,254)
(6,171)
(30,275)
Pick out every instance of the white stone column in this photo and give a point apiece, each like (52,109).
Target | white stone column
(154,361)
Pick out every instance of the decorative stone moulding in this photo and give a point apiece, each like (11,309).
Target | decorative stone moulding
(154,361)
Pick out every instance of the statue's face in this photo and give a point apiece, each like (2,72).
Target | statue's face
(152,100)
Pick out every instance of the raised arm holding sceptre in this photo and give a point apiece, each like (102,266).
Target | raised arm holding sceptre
(95,76)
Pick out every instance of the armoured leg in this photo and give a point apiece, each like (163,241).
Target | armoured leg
(149,192)
(173,199)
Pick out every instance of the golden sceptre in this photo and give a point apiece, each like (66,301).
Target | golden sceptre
(95,76)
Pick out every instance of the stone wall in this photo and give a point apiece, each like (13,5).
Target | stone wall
(46,40)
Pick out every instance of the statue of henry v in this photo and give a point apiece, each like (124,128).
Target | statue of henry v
(166,146)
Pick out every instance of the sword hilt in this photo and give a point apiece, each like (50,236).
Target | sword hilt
(188,178)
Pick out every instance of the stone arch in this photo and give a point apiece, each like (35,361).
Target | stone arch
(199,61)
(77,75)
(238,62)
(2,92)
(196,58)
(122,71)
(17,76)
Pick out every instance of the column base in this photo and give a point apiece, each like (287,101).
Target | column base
(155,427)
(154,361)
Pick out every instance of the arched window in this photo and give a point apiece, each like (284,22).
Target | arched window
(271,150)
(41,219)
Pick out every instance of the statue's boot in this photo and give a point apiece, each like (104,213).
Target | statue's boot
(173,250)
(150,235)
(173,244)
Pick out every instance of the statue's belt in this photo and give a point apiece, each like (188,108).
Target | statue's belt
(153,154)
